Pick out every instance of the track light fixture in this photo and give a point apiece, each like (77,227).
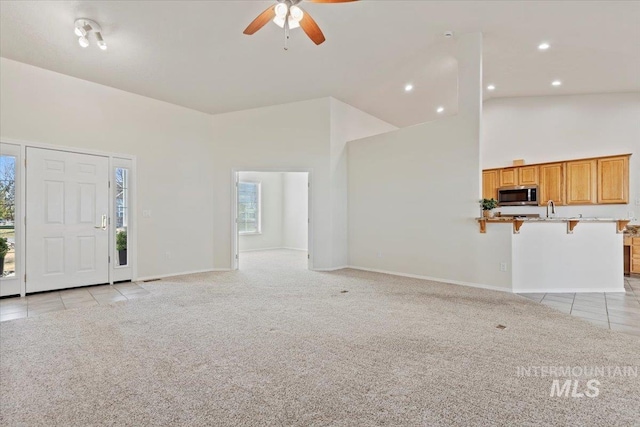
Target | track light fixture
(83,27)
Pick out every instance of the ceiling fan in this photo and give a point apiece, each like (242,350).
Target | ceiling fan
(288,15)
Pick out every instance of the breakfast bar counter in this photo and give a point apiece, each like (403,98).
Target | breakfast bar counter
(557,255)
(571,222)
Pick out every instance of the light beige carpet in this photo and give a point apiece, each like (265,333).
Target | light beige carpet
(278,345)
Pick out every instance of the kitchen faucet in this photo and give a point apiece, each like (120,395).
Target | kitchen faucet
(553,208)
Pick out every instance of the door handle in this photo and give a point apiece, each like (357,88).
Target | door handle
(103,224)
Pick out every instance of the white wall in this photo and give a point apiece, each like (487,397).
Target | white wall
(172,145)
(347,124)
(547,259)
(290,137)
(271,212)
(294,137)
(413,194)
(295,210)
(544,129)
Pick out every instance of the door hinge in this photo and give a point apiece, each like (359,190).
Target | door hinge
(308,256)
(25,220)
(109,184)
(109,259)
(25,163)
(25,277)
(236,256)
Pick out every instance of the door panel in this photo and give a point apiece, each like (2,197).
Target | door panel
(613,180)
(581,182)
(67,197)
(552,184)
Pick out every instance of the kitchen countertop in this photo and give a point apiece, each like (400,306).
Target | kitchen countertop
(552,219)
(571,222)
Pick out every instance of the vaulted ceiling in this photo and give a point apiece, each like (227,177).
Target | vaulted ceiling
(193,53)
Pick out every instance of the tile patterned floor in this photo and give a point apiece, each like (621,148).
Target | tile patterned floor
(617,311)
(47,302)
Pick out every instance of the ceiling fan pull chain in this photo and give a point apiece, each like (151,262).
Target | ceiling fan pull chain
(286,32)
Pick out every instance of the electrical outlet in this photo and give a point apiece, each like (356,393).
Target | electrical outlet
(503,267)
(638,201)
(146,214)
(632,215)
(379,254)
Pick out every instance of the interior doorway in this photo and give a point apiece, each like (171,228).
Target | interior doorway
(271,213)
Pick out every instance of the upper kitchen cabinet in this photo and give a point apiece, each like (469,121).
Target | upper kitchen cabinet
(613,180)
(582,182)
(552,183)
(508,177)
(598,180)
(490,184)
(528,175)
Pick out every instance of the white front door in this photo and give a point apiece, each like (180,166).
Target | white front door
(66,220)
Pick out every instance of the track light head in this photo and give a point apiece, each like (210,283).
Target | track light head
(83,27)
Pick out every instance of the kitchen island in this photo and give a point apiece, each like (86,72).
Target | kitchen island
(558,255)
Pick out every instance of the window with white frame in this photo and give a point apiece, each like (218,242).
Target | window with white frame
(249,207)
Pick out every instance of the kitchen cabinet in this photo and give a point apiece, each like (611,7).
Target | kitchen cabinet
(490,184)
(598,180)
(552,184)
(613,180)
(508,177)
(582,182)
(635,255)
(528,175)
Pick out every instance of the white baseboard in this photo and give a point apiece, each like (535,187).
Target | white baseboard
(182,273)
(567,291)
(434,279)
(273,249)
(330,268)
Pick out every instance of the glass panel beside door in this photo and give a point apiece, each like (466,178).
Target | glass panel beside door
(121,217)
(7,216)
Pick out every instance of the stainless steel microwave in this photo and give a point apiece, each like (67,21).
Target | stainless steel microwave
(518,196)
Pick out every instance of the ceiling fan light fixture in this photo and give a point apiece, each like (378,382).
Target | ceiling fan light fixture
(292,22)
(281,11)
(296,13)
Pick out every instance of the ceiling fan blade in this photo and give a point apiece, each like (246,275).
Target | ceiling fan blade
(262,20)
(311,28)
(330,1)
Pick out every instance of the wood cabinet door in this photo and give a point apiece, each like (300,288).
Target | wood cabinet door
(528,175)
(508,177)
(552,184)
(582,182)
(490,184)
(635,255)
(613,180)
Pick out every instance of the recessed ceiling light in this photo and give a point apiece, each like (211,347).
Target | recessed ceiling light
(544,46)
(556,83)
(491,87)
(440,110)
(408,87)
